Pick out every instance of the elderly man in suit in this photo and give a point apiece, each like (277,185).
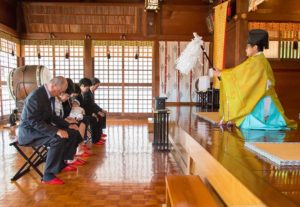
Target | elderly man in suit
(40,126)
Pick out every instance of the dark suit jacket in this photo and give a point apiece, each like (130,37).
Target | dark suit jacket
(79,97)
(67,107)
(37,118)
(89,104)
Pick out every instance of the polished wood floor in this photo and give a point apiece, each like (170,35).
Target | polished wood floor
(276,186)
(128,172)
(124,172)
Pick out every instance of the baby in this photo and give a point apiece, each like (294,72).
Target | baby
(76,112)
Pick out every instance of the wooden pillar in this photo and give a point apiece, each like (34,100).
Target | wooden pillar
(153,30)
(155,75)
(241,30)
(88,59)
(20,55)
(236,36)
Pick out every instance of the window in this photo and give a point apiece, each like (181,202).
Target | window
(137,70)
(284,39)
(125,72)
(138,99)
(71,67)
(8,61)
(39,55)
(61,58)
(109,69)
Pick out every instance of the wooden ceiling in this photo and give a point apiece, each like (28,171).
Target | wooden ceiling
(93,16)
(82,18)
(103,19)
(182,2)
(85,1)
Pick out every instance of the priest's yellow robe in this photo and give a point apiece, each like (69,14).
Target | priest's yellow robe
(246,85)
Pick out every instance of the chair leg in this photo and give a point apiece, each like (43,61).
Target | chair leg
(88,137)
(41,155)
(34,160)
(25,167)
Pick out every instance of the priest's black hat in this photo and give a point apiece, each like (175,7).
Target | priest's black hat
(259,37)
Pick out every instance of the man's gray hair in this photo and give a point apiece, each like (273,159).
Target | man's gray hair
(58,81)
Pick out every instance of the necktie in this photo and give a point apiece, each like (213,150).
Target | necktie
(52,100)
(61,113)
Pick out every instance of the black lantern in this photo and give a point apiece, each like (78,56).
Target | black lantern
(39,54)
(108,55)
(160,103)
(67,56)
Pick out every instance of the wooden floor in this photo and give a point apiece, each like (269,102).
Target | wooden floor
(124,172)
(128,172)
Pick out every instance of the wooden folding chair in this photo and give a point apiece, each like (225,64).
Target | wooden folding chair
(37,157)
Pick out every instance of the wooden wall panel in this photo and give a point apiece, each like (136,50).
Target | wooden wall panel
(277,10)
(151,24)
(236,36)
(230,44)
(241,40)
(235,43)
(183,20)
(287,76)
(287,88)
(8,13)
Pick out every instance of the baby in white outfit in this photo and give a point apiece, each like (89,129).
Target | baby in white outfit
(76,112)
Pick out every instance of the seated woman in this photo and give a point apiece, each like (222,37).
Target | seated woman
(87,102)
(247,92)
(63,109)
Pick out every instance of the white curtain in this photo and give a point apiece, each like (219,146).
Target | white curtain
(174,85)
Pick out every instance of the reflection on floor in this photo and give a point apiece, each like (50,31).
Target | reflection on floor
(274,185)
(124,172)
(127,172)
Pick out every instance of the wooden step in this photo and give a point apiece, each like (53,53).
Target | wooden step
(188,191)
